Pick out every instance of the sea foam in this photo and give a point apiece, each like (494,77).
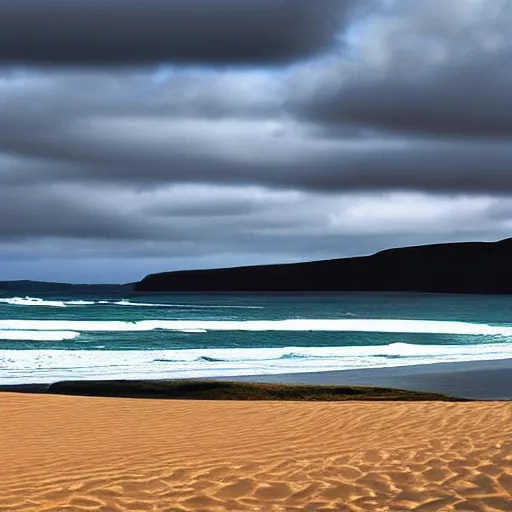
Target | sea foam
(297,325)
(32,301)
(24,366)
(180,306)
(36,301)
(38,335)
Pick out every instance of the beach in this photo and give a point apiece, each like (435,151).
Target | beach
(104,442)
(475,380)
(70,453)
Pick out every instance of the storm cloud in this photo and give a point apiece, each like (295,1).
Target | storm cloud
(284,131)
(434,68)
(246,144)
(128,32)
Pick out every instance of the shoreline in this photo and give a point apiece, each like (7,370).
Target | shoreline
(474,380)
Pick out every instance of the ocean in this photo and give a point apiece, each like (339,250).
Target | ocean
(50,338)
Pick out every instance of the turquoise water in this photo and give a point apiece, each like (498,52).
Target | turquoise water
(51,338)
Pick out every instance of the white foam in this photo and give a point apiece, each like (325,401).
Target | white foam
(325,325)
(192,306)
(24,366)
(38,335)
(36,301)
(33,301)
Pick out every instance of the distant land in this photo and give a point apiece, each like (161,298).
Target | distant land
(463,267)
(32,287)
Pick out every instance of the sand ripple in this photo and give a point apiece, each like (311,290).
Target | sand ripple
(74,454)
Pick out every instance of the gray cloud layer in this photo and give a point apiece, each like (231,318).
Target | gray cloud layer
(435,68)
(400,133)
(148,149)
(102,32)
(457,99)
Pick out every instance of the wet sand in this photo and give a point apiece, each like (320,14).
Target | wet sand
(67,453)
(476,380)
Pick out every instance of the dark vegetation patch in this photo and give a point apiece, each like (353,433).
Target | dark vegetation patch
(224,390)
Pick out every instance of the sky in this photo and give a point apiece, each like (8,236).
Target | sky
(139,136)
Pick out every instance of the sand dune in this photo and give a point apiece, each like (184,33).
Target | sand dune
(74,454)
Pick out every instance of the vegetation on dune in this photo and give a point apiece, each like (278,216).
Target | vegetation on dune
(224,390)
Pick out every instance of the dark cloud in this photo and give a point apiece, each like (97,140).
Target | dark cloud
(49,211)
(459,99)
(429,68)
(147,153)
(105,32)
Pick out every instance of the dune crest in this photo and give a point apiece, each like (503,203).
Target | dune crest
(64,453)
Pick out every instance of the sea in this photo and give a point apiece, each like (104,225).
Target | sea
(52,338)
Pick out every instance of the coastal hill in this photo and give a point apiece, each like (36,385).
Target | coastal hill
(41,287)
(464,267)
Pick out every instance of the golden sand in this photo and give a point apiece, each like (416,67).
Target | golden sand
(74,454)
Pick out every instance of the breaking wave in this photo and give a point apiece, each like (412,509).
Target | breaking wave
(36,301)
(38,335)
(180,306)
(21,366)
(32,301)
(79,302)
(298,325)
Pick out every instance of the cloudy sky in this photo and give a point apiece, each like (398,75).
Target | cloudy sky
(147,135)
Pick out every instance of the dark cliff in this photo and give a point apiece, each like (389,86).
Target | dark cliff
(472,267)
